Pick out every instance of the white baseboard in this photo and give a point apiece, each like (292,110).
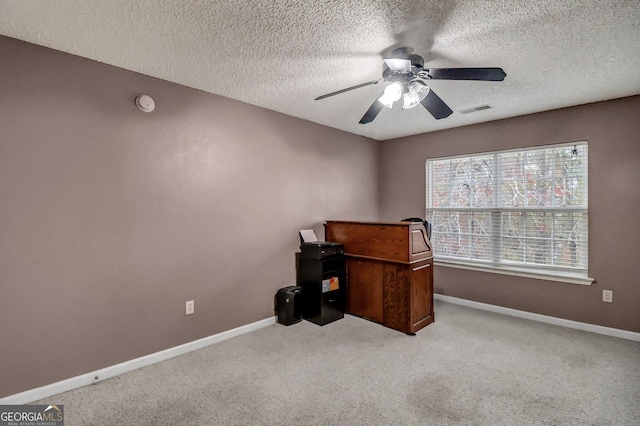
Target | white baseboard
(124,367)
(607,331)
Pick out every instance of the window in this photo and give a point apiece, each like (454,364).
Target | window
(522,212)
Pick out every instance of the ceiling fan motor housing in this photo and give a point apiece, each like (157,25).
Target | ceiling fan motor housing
(416,61)
(389,75)
(404,73)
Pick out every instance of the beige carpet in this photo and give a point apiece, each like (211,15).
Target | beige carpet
(470,367)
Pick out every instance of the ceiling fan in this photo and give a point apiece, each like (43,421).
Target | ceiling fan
(405,71)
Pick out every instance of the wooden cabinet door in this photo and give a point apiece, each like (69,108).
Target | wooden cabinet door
(421,295)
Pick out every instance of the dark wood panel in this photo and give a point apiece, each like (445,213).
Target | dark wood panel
(364,287)
(396,298)
(420,244)
(384,241)
(400,242)
(422,295)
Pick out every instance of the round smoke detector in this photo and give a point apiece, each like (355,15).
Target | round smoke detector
(145,103)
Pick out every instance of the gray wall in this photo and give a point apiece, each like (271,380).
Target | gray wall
(613,131)
(110,218)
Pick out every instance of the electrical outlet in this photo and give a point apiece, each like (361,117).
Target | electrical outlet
(190,307)
(607,296)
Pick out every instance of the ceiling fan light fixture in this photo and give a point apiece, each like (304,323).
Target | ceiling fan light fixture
(392,93)
(415,93)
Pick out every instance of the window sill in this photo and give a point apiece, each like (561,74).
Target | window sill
(559,276)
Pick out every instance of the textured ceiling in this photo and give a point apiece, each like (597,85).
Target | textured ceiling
(281,54)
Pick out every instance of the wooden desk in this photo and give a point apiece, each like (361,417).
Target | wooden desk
(389,272)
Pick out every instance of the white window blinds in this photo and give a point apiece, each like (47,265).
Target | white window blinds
(524,209)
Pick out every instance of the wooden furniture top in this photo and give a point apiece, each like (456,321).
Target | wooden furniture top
(401,242)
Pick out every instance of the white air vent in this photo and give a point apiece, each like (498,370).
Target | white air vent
(474,109)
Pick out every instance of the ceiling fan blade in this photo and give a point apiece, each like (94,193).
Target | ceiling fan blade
(436,106)
(484,74)
(398,65)
(337,92)
(373,111)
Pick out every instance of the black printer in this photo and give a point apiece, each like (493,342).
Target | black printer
(320,249)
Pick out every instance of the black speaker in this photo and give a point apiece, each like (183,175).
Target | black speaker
(289,305)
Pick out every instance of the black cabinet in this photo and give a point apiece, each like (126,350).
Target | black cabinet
(323,283)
